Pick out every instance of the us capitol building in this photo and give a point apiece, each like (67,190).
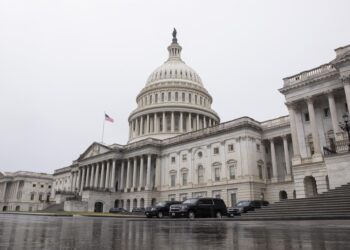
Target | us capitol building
(178,148)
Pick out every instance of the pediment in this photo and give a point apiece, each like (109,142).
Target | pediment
(94,150)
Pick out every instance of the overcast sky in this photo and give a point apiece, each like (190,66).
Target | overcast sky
(63,63)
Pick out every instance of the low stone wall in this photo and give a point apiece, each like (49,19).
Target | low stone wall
(338,167)
(76,206)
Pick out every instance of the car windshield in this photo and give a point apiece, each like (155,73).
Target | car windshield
(161,204)
(242,203)
(190,201)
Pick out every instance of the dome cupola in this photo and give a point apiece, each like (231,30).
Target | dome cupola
(174,101)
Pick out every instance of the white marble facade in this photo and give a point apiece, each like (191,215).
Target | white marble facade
(179,149)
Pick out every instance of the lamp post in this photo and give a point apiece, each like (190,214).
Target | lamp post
(346,127)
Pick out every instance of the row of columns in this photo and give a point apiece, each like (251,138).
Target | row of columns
(159,122)
(273,156)
(102,175)
(292,108)
(9,190)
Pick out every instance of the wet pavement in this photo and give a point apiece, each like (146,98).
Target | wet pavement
(40,232)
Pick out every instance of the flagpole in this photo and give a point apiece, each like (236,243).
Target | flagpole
(103,128)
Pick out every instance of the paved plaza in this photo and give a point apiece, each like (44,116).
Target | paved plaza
(41,232)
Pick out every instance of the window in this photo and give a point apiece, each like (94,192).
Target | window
(231,148)
(201,100)
(200,174)
(200,154)
(162,97)
(176,96)
(195,99)
(232,170)
(150,99)
(306,117)
(266,150)
(258,147)
(260,172)
(34,185)
(269,174)
(189,98)
(169,96)
(32,196)
(42,186)
(326,112)
(156,98)
(216,150)
(183,97)
(184,157)
(49,186)
(217,174)
(40,197)
(173,160)
(172,180)
(184,179)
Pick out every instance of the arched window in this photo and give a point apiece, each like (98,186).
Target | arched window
(189,98)
(156,98)
(200,174)
(150,99)
(184,179)
(162,97)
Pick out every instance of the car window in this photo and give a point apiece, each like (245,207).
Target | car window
(242,203)
(205,202)
(190,201)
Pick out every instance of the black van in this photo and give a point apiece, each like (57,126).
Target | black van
(199,207)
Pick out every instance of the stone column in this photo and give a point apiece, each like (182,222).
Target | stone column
(130,130)
(172,122)
(112,184)
(134,174)
(333,110)
(128,175)
(164,123)
(4,191)
(155,123)
(141,172)
(158,173)
(181,122)
(286,154)
(189,124)
(107,176)
(96,175)
(137,127)
(122,175)
(147,125)
(294,131)
(204,122)
(273,159)
(77,186)
(92,171)
(209,122)
(141,126)
(82,179)
(102,174)
(148,180)
(197,123)
(346,81)
(87,176)
(314,131)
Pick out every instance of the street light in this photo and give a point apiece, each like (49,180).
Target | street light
(346,127)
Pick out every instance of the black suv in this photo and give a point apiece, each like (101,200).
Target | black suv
(245,206)
(199,207)
(160,209)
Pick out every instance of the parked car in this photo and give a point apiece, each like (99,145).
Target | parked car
(245,206)
(117,210)
(161,209)
(138,210)
(199,207)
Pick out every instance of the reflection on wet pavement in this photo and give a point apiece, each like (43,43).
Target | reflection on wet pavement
(38,232)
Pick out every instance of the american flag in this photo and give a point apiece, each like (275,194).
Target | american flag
(107,118)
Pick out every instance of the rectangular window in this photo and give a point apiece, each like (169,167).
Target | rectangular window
(230,148)
(269,174)
(184,179)
(156,98)
(42,186)
(162,97)
(169,96)
(176,96)
(216,150)
(195,99)
(184,157)
(232,172)
(306,117)
(31,197)
(326,112)
(260,172)
(173,160)
(217,174)
(172,180)
(34,185)
(183,97)
(258,147)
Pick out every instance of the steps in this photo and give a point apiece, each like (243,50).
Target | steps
(54,208)
(334,204)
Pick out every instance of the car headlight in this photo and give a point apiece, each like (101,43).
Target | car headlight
(184,208)
(153,209)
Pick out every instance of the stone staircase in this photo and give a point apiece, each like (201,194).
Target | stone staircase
(54,208)
(334,204)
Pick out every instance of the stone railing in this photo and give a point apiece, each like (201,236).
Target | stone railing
(280,121)
(342,146)
(305,75)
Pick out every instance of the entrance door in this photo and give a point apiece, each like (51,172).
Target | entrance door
(233,199)
(98,207)
(310,186)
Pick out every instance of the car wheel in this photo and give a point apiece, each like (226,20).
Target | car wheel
(191,215)
(218,215)
(160,215)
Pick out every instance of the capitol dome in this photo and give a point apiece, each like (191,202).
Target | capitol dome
(174,101)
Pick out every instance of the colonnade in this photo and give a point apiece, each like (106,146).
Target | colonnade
(292,108)
(126,175)
(273,156)
(169,122)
